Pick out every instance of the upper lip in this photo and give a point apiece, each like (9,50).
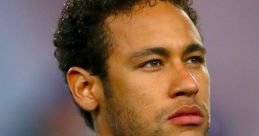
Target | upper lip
(187,110)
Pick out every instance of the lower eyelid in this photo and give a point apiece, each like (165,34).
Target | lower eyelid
(158,63)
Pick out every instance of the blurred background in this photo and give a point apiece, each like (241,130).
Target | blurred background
(35,101)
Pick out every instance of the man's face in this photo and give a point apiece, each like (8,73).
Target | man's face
(157,75)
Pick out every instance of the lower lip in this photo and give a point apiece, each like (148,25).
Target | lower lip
(187,120)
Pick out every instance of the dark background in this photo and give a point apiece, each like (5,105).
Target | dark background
(34,100)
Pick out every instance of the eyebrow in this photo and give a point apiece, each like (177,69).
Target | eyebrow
(151,51)
(194,47)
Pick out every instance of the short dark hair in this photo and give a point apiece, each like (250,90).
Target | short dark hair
(82,40)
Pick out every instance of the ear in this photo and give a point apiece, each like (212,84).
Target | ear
(84,87)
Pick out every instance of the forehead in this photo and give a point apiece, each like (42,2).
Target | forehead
(161,24)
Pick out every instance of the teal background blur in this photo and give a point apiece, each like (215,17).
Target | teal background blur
(34,100)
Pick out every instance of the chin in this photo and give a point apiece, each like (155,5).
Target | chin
(188,131)
(192,133)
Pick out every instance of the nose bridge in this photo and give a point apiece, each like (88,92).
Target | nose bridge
(184,83)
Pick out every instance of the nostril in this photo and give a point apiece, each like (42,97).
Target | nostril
(180,94)
(185,93)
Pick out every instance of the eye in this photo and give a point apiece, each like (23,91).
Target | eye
(195,60)
(152,63)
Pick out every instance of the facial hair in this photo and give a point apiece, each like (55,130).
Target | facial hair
(125,120)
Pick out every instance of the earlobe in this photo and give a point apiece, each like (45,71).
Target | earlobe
(82,86)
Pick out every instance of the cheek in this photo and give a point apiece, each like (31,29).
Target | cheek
(141,91)
(137,98)
(202,79)
(127,83)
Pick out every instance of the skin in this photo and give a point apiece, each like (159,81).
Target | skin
(156,66)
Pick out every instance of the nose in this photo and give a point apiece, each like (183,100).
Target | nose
(183,84)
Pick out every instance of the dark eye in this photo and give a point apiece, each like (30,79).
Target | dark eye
(152,63)
(195,60)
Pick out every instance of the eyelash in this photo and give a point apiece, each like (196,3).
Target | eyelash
(152,63)
(195,60)
(155,63)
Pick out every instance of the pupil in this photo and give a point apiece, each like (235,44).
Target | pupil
(154,63)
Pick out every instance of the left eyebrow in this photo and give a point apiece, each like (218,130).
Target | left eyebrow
(151,51)
(194,47)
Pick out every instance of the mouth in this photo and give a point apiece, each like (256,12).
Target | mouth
(187,115)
